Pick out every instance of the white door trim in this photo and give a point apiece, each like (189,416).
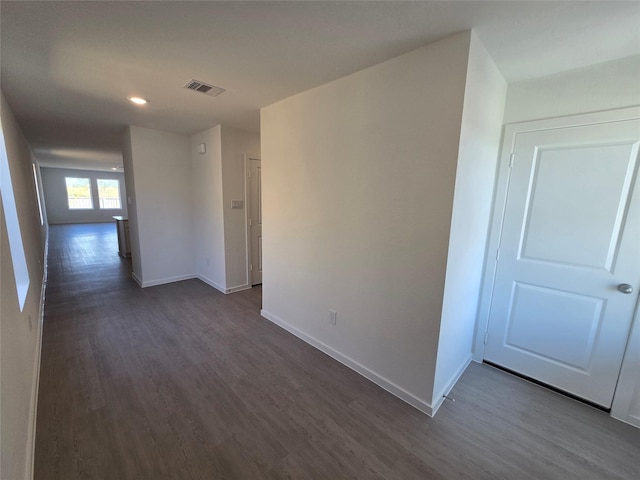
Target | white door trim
(247,228)
(629,382)
(501,194)
(247,213)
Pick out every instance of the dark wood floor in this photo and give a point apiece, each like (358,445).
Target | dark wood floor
(181,382)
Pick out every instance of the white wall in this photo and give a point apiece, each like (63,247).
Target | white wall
(358,182)
(235,144)
(55,194)
(160,168)
(605,86)
(484,100)
(208,219)
(20,331)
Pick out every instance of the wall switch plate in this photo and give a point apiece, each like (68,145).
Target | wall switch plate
(333,317)
(237,204)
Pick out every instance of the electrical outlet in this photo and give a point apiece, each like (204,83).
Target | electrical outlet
(333,317)
(208,261)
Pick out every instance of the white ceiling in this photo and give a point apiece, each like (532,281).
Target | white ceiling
(67,67)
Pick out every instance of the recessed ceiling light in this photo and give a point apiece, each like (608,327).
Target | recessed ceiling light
(138,100)
(114,168)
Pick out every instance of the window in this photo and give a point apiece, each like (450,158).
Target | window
(16,247)
(79,193)
(109,194)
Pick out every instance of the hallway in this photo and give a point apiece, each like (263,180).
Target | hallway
(182,382)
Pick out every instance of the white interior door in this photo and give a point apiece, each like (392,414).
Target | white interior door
(570,242)
(255,220)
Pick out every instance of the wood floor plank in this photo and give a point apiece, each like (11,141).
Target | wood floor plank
(182,382)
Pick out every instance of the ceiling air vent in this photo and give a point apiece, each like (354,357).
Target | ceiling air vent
(205,88)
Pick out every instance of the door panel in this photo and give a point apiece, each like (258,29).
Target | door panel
(580,318)
(570,237)
(594,229)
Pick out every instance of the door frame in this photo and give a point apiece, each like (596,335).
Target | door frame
(500,197)
(247,213)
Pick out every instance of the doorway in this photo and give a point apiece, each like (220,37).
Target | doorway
(254,220)
(565,278)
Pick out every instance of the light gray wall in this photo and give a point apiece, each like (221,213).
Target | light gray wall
(208,215)
(55,192)
(20,331)
(604,86)
(162,241)
(484,99)
(358,187)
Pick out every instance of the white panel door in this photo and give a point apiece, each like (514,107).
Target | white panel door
(570,242)
(255,220)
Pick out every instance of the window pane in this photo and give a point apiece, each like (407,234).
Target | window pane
(109,194)
(79,193)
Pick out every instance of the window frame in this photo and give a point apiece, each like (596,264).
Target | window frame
(70,199)
(100,198)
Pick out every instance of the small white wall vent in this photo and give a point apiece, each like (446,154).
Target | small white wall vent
(198,86)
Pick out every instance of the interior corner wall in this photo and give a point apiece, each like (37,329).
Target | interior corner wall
(20,331)
(208,219)
(235,144)
(162,205)
(358,184)
(55,194)
(605,86)
(484,101)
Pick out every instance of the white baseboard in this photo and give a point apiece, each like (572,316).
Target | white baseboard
(632,420)
(438,398)
(211,283)
(379,380)
(162,281)
(75,222)
(136,279)
(220,288)
(239,288)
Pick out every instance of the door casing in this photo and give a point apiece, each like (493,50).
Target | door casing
(247,202)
